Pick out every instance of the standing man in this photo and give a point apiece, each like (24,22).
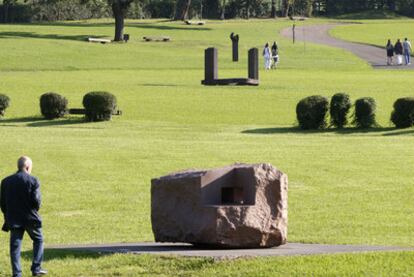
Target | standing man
(20,203)
(407,51)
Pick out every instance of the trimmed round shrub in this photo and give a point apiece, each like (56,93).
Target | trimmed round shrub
(364,116)
(403,114)
(4,104)
(99,105)
(339,109)
(311,112)
(53,105)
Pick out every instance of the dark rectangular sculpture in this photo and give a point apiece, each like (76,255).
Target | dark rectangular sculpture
(211,70)
(254,64)
(210,64)
(235,46)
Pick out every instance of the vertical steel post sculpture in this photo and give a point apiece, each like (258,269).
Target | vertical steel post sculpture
(254,64)
(235,43)
(210,64)
(294,32)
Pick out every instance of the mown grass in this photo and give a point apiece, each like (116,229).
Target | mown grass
(63,263)
(376,32)
(347,187)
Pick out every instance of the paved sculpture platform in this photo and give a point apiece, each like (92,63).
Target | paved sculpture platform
(187,250)
(375,56)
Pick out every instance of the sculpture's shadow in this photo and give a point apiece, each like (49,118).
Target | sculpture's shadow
(385,131)
(96,251)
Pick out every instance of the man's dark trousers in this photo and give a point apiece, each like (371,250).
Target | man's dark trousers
(16,238)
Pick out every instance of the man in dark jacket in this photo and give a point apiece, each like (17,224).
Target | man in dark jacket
(20,203)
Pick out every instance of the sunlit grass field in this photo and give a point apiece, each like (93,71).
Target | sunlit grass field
(345,187)
(376,32)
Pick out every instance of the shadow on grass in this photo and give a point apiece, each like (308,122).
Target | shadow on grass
(84,23)
(96,251)
(400,132)
(61,254)
(41,122)
(159,85)
(345,131)
(4,35)
(370,14)
(144,25)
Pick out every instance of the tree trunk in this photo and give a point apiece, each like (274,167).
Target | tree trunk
(223,10)
(273,12)
(247,9)
(6,6)
(309,8)
(181,10)
(119,15)
(391,5)
(286,7)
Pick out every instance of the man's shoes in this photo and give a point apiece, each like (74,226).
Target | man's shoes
(39,273)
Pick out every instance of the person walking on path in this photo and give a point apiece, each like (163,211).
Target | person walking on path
(398,49)
(275,55)
(407,51)
(390,52)
(20,203)
(267,56)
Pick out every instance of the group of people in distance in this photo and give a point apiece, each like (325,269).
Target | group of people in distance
(400,49)
(271,56)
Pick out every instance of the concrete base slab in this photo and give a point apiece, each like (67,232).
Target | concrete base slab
(187,250)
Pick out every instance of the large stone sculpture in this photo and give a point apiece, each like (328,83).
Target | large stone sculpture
(211,70)
(240,206)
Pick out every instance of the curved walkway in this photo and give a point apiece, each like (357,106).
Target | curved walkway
(187,250)
(376,56)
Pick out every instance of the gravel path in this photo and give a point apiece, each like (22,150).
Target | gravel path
(180,249)
(319,34)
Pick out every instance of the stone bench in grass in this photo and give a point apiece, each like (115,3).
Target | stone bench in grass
(159,38)
(189,22)
(99,40)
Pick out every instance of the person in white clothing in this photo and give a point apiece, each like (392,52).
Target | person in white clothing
(267,55)
(407,51)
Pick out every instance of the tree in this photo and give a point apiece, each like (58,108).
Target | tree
(119,9)
(181,9)
(223,10)
(304,7)
(287,6)
(6,6)
(273,12)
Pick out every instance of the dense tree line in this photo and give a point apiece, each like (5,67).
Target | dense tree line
(51,10)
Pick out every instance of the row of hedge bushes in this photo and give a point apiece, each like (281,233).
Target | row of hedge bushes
(312,112)
(99,106)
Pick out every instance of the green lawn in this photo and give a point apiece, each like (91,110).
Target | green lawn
(348,187)
(376,32)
